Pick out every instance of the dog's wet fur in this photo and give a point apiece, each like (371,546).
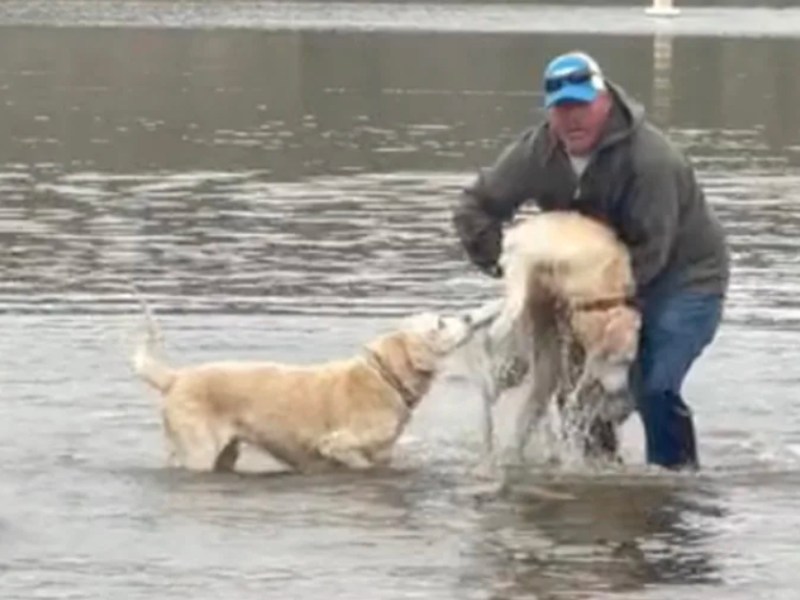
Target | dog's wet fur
(563,332)
(340,414)
(566,333)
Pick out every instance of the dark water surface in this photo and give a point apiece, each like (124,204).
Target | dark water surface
(282,191)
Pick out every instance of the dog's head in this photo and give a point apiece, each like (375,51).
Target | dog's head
(433,336)
(423,339)
(611,339)
(416,350)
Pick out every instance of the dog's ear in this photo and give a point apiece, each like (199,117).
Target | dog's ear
(380,345)
(394,349)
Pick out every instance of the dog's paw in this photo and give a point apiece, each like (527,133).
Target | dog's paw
(336,447)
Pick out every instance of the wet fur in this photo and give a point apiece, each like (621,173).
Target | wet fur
(337,414)
(553,263)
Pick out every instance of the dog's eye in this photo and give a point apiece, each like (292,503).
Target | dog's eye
(440,323)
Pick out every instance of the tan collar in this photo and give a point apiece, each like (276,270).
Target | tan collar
(410,399)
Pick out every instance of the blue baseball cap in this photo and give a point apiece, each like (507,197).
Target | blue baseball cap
(574,77)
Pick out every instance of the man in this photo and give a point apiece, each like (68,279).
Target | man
(597,154)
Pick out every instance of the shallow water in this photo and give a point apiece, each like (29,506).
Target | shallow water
(284,192)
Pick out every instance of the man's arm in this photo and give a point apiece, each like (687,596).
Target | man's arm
(492,199)
(650,220)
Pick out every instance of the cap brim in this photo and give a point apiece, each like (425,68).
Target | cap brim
(571,93)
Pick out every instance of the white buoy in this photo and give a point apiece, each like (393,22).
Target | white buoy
(662,78)
(662,8)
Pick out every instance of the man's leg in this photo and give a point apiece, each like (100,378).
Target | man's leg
(675,331)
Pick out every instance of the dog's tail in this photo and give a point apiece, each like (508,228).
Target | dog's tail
(146,361)
(520,261)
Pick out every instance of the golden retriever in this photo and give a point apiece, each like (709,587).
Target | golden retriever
(345,413)
(566,329)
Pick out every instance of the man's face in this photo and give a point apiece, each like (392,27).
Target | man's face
(580,125)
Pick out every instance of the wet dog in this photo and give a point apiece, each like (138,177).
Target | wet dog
(566,331)
(346,413)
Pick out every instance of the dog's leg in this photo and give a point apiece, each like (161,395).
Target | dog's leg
(343,448)
(382,456)
(530,412)
(487,467)
(170,443)
(356,447)
(543,371)
(199,458)
(501,355)
(488,420)
(601,441)
(226,460)
(200,449)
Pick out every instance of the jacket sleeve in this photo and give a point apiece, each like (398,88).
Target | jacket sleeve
(650,221)
(493,198)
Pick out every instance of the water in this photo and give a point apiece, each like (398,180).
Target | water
(281,191)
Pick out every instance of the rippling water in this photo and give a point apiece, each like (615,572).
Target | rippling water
(285,193)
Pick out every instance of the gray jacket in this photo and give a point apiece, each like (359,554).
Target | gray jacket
(636,181)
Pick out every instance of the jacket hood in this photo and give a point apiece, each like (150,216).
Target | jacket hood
(627,115)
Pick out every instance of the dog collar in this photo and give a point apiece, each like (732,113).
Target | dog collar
(600,304)
(410,399)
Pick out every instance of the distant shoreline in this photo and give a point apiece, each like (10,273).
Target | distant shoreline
(400,17)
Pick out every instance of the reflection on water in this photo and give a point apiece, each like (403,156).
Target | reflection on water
(283,195)
(224,179)
(620,538)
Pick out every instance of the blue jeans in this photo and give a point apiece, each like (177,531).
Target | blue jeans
(676,327)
